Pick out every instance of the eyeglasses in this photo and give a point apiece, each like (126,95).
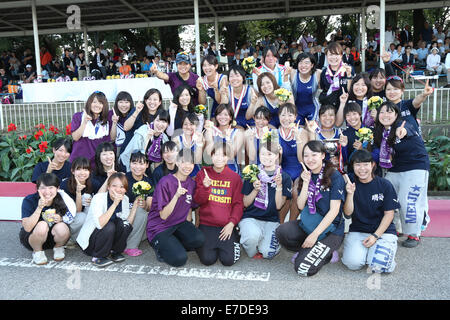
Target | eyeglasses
(394,78)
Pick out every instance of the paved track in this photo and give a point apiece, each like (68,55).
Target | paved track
(421,273)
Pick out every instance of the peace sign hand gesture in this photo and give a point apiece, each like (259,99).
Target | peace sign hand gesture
(427,90)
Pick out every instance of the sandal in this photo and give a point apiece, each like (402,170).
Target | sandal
(133,252)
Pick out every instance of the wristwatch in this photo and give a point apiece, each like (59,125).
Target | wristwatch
(374,234)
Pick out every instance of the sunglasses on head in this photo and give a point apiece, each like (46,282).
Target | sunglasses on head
(394,78)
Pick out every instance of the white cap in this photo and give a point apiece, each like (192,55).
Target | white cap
(440,41)
(28,66)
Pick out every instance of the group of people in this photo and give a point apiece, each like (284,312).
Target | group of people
(257,171)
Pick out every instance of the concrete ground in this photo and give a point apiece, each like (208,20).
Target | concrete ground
(421,273)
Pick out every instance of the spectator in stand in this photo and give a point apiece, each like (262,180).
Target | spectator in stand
(441,47)
(389,35)
(440,35)
(193,57)
(371,59)
(397,59)
(100,61)
(57,70)
(29,75)
(434,64)
(265,42)
(408,62)
(135,66)
(244,51)
(422,54)
(117,52)
(405,35)
(111,70)
(447,66)
(426,33)
(151,51)
(212,51)
(146,68)
(348,57)
(222,50)
(125,69)
(46,59)
(446,45)
(4,80)
(14,65)
(80,61)
(28,58)
(356,57)
(68,64)
(320,57)
(372,43)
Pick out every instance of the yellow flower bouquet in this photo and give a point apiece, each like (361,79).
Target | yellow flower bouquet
(249,64)
(141,189)
(365,135)
(374,103)
(283,94)
(268,135)
(250,173)
(201,109)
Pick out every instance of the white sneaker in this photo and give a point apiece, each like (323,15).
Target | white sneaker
(39,258)
(58,254)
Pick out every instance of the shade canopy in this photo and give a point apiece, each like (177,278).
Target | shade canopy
(103,15)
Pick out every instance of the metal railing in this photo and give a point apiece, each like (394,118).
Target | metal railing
(434,110)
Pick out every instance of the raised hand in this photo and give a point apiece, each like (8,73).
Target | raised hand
(153,68)
(206,181)
(349,186)
(87,117)
(199,85)
(311,126)
(427,90)
(139,106)
(80,186)
(385,56)
(306,174)
(115,117)
(278,178)
(401,132)
(51,165)
(180,191)
(343,97)
(343,140)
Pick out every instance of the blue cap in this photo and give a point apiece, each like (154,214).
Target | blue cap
(182,57)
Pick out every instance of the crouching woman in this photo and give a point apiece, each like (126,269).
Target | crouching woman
(320,232)
(370,202)
(108,223)
(46,215)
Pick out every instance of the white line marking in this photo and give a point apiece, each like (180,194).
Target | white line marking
(142,269)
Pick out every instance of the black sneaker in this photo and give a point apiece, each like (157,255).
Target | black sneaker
(101,262)
(411,242)
(116,257)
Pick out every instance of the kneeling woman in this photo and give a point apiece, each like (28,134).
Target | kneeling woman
(45,218)
(321,229)
(370,202)
(108,223)
(262,201)
(169,228)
